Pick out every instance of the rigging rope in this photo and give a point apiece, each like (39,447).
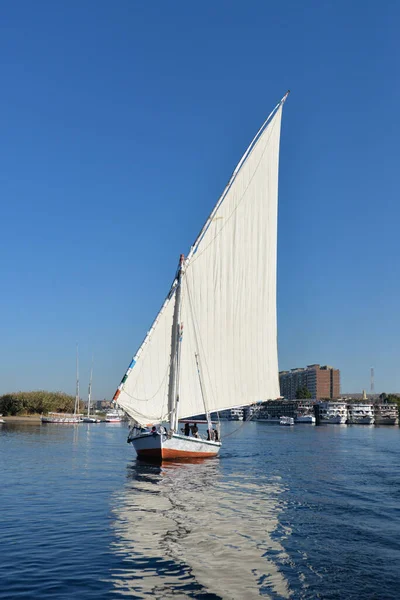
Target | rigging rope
(244,421)
(151,397)
(198,339)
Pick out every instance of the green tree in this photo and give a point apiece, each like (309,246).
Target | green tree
(29,403)
(303,393)
(9,405)
(394,399)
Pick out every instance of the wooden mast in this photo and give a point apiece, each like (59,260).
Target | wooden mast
(76,411)
(173,384)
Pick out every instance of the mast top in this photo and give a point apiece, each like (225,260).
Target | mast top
(181,266)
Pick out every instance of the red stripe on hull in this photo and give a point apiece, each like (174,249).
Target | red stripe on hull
(171,454)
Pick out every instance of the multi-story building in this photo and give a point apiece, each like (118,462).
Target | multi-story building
(103,404)
(321,382)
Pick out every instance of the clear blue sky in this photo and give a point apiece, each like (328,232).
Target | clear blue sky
(120,125)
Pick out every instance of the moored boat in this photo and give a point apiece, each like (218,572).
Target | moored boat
(304,413)
(270,411)
(333,412)
(360,413)
(305,419)
(386,413)
(65,418)
(212,346)
(286,421)
(90,418)
(62,418)
(114,416)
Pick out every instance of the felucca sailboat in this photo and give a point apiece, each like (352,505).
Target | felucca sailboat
(213,344)
(90,418)
(67,418)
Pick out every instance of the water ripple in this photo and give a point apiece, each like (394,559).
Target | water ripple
(298,513)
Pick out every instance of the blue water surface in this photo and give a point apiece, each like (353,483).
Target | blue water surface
(285,512)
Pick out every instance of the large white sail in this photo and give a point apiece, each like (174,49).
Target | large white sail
(229,290)
(228,303)
(143,392)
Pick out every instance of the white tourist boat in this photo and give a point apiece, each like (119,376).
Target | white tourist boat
(90,418)
(304,413)
(360,413)
(114,416)
(305,419)
(333,412)
(286,421)
(212,346)
(62,418)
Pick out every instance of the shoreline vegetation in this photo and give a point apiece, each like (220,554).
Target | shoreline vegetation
(30,405)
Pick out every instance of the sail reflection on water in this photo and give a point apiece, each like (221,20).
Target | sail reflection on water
(184,529)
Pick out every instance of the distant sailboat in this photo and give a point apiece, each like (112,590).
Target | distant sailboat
(67,418)
(212,346)
(89,418)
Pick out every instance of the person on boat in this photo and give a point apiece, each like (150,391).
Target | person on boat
(215,435)
(186,430)
(153,430)
(210,434)
(195,430)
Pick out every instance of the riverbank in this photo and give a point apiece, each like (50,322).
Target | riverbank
(25,419)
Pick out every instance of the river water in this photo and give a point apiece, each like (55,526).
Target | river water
(285,512)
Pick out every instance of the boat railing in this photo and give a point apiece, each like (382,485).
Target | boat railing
(201,436)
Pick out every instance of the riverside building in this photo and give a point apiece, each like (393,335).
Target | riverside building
(321,382)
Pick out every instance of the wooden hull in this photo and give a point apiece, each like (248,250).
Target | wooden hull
(161,447)
(61,419)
